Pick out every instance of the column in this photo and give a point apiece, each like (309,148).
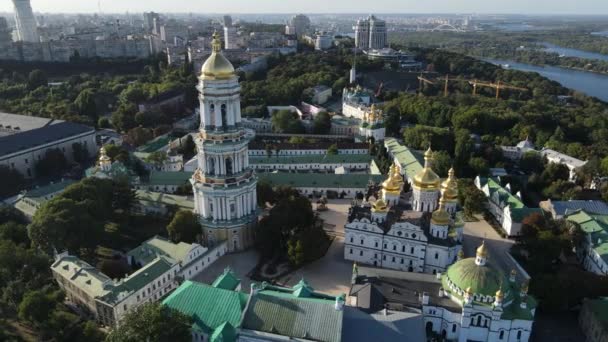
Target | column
(228,211)
(216,209)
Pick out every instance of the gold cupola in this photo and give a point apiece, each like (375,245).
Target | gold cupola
(482,251)
(499,294)
(449,187)
(393,182)
(217,67)
(380,206)
(441,217)
(427,179)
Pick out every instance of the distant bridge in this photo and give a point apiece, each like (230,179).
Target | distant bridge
(447,28)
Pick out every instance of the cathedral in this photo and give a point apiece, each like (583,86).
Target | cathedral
(417,231)
(224,184)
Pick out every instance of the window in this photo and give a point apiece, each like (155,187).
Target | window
(478,320)
(26,161)
(501,335)
(361,241)
(519,335)
(351,239)
(385,246)
(384,257)
(351,251)
(360,253)
(436,255)
(453,327)
(402,261)
(393,259)
(394,247)
(124,307)
(376,244)
(403,249)
(412,250)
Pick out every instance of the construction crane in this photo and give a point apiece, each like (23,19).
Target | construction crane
(498,86)
(447,80)
(421,81)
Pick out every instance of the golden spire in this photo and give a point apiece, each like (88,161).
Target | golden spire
(440,216)
(449,187)
(499,293)
(216,44)
(426,178)
(482,251)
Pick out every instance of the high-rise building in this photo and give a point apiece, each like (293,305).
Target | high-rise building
(370,33)
(230,37)
(299,24)
(27,30)
(149,18)
(224,185)
(227,21)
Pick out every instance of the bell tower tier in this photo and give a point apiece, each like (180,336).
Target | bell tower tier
(224,185)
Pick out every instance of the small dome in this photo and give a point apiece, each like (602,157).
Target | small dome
(380,206)
(499,294)
(449,187)
(103,157)
(393,182)
(440,216)
(217,66)
(482,251)
(427,179)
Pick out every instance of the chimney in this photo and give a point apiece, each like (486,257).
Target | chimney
(425,298)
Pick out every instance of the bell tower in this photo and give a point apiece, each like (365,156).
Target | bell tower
(224,185)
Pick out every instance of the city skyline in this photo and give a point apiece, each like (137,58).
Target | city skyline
(594,7)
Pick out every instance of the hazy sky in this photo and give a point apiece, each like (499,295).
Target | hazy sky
(322,6)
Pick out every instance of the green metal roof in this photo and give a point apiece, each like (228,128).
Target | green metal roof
(227,280)
(411,161)
(320,180)
(49,189)
(519,210)
(154,145)
(313,159)
(485,280)
(146,197)
(209,307)
(142,277)
(223,333)
(169,178)
(596,227)
(294,317)
(159,246)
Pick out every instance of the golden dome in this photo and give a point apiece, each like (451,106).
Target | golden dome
(499,294)
(482,251)
(217,66)
(449,187)
(440,216)
(427,179)
(469,291)
(103,157)
(393,182)
(380,206)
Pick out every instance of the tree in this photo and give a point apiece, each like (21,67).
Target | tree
(81,154)
(36,307)
(85,103)
(37,78)
(139,136)
(332,149)
(184,227)
(531,161)
(479,166)
(157,159)
(285,121)
(52,164)
(188,148)
(265,193)
(14,232)
(442,163)
(322,123)
(152,322)
(473,200)
(12,181)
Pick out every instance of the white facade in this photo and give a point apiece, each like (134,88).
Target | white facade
(323,42)
(224,185)
(27,30)
(230,37)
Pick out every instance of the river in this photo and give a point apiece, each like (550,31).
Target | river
(574,52)
(589,83)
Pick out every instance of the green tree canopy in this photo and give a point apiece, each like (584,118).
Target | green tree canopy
(152,322)
(184,227)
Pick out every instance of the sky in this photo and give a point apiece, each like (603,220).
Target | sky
(320,6)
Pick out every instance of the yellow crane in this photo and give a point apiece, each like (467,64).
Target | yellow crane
(498,86)
(447,80)
(422,80)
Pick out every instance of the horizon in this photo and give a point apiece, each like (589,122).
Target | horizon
(278,7)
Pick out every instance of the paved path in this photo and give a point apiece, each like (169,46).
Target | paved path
(241,263)
(476,232)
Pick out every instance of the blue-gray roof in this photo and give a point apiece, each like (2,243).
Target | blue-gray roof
(394,326)
(594,207)
(40,136)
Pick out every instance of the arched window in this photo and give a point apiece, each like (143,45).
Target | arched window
(211,165)
(229,166)
(478,321)
(212,114)
(519,334)
(501,335)
(224,118)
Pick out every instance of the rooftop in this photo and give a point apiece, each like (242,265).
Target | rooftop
(411,161)
(596,227)
(391,326)
(562,208)
(169,178)
(183,202)
(160,246)
(556,156)
(319,145)
(210,307)
(313,159)
(227,281)
(15,123)
(320,180)
(40,136)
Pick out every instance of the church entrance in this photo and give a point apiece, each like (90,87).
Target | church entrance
(429,328)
